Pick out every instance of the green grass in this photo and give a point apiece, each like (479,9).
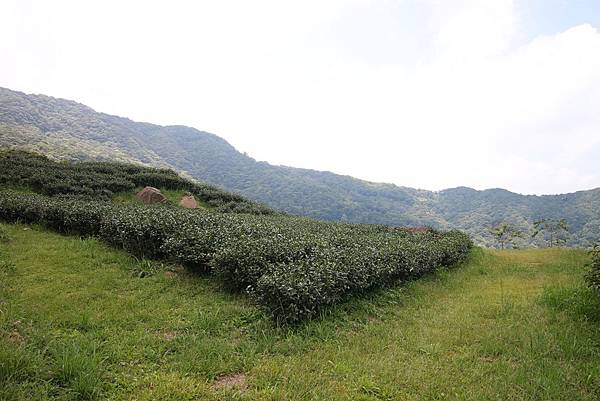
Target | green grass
(173,196)
(81,321)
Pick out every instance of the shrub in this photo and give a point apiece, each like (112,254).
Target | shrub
(63,215)
(76,217)
(241,263)
(593,276)
(140,230)
(21,208)
(299,290)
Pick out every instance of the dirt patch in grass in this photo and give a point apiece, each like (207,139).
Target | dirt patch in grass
(16,338)
(169,335)
(170,274)
(232,381)
(174,271)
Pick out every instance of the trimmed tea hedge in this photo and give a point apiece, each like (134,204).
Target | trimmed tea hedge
(293,267)
(63,215)
(101,180)
(593,276)
(299,289)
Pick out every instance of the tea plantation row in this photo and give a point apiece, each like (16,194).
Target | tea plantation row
(293,267)
(593,276)
(101,180)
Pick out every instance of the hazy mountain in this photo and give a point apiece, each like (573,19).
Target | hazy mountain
(65,129)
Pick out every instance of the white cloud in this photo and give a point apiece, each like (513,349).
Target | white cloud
(430,94)
(468,29)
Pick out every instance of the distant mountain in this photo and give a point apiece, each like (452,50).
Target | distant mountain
(65,129)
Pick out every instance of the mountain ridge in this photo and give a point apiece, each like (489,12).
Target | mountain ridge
(306,169)
(65,129)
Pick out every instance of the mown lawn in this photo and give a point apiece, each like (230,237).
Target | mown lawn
(81,321)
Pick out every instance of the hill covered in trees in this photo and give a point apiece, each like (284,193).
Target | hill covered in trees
(67,130)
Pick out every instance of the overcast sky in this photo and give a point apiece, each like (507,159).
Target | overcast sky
(423,93)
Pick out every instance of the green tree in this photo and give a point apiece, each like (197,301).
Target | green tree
(505,234)
(553,230)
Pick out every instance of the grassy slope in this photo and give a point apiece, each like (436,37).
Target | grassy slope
(78,322)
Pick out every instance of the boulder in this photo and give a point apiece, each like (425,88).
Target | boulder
(188,201)
(150,195)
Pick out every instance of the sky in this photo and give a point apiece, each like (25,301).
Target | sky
(430,94)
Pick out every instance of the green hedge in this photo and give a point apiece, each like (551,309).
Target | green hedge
(293,267)
(101,180)
(63,215)
(593,276)
(300,289)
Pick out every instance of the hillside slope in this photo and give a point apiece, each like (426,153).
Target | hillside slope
(72,131)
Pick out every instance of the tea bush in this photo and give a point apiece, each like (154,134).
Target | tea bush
(593,276)
(300,289)
(293,267)
(63,215)
(101,180)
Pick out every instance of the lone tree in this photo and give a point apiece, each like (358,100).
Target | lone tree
(553,230)
(505,234)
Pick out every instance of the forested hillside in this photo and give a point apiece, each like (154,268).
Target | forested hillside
(71,131)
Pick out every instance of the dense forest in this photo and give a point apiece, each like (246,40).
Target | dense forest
(67,130)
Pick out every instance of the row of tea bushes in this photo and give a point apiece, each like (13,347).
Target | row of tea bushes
(593,276)
(300,289)
(63,215)
(101,180)
(293,267)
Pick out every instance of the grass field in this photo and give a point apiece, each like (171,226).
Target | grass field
(81,321)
